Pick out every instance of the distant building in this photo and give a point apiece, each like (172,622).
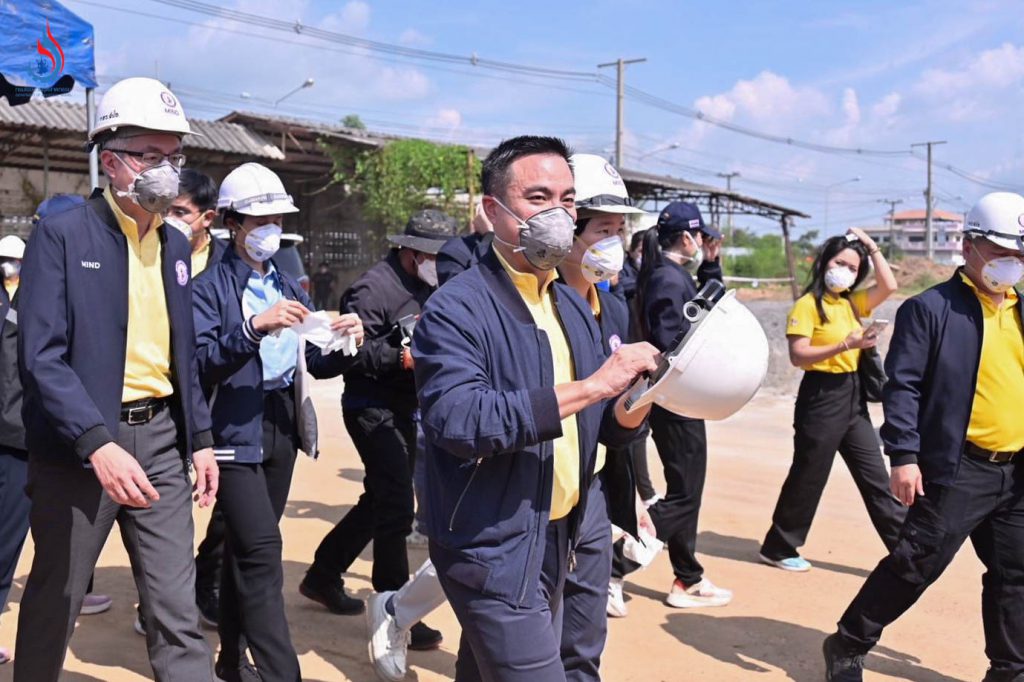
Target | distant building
(908,231)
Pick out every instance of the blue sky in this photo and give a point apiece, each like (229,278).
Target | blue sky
(878,75)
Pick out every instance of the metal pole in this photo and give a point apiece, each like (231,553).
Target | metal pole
(892,224)
(90,122)
(929,245)
(46,168)
(728,188)
(790,261)
(620,96)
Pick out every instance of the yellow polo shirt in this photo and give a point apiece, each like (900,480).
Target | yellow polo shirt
(995,414)
(201,258)
(595,304)
(804,320)
(11,285)
(147,360)
(566,489)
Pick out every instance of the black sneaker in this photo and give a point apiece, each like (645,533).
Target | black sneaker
(245,672)
(841,665)
(332,595)
(208,602)
(424,638)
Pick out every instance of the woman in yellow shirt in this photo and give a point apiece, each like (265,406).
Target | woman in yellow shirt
(825,340)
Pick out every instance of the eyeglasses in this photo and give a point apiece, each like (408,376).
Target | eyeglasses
(150,159)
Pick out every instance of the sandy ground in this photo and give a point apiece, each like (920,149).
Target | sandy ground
(771,631)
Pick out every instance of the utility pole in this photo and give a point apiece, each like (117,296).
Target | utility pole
(892,224)
(728,188)
(930,245)
(620,78)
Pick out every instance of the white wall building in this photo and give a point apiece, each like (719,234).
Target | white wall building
(908,231)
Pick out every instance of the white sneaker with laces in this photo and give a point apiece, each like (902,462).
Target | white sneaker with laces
(616,602)
(388,642)
(704,593)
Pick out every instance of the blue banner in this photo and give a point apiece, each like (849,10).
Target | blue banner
(43,45)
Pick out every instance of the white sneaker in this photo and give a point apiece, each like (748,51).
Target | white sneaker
(416,539)
(388,642)
(703,593)
(616,603)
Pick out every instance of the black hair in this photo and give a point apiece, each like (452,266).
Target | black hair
(231,215)
(832,247)
(581,225)
(199,187)
(653,259)
(494,177)
(635,241)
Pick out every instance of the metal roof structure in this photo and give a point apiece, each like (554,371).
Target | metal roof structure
(51,134)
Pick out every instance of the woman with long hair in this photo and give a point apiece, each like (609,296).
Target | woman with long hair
(825,340)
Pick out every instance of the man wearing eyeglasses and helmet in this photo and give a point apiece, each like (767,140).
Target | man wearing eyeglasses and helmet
(114,415)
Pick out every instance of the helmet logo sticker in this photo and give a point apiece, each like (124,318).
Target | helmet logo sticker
(1020,221)
(168,99)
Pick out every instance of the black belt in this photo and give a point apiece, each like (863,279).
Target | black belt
(974,451)
(141,411)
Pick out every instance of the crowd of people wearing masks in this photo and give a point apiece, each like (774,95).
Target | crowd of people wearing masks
(486,392)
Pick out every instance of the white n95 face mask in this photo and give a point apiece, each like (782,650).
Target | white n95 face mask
(838,279)
(263,242)
(602,260)
(1001,274)
(179,225)
(427,271)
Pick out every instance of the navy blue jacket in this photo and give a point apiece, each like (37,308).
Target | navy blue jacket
(12,429)
(460,254)
(665,293)
(932,367)
(230,367)
(485,381)
(73,316)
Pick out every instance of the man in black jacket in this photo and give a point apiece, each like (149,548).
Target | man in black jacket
(954,434)
(380,411)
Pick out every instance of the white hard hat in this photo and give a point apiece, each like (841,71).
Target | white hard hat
(718,366)
(599,187)
(999,217)
(12,247)
(140,103)
(253,189)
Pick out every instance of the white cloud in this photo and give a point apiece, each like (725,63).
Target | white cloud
(887,107)
(851,107)
(413,38)
(1001,67)
(767,98)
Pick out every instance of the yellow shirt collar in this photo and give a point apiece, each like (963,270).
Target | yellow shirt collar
(125,221)
(1009,298)
(594,300)
(529,285)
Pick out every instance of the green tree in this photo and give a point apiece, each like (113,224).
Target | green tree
(404,176)
(353,121)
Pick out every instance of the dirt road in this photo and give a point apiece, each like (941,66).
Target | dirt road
(772,631)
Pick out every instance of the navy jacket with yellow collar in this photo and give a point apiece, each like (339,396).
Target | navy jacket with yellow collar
(73,317)
(485,381)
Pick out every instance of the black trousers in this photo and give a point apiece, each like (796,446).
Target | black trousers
(210,555)
(14,509)
(683,448)
(386,442)
(986,504)
(252,498)
(831,415)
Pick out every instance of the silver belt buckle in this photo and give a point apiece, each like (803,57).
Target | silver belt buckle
(142,411)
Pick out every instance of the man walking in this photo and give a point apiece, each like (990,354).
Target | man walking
(954,434)
(113,409)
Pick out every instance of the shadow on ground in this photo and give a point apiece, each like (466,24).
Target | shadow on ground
(759,645)
(746,550)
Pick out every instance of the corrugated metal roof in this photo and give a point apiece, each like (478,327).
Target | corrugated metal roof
(69,117)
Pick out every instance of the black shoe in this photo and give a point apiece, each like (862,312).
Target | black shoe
(841,665)
(208,602)
(424,638)
(245,672)
(332,595)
